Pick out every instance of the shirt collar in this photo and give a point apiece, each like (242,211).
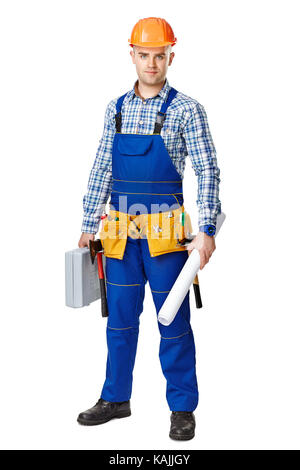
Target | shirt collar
(163,93)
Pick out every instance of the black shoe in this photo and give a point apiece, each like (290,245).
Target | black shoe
(104,411)
(182,425)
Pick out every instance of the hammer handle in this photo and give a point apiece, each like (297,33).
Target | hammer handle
(104,309)
(197,295)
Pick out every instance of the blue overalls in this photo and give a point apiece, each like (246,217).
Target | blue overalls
(143,171)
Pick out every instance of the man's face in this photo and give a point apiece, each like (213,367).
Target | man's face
(152,63)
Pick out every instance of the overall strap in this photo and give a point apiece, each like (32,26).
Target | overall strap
(118,116)
(161,115)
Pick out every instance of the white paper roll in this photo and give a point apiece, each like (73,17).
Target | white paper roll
(182,284)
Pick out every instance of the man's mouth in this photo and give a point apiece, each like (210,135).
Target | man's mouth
(149,71)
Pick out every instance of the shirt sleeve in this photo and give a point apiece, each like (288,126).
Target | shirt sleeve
(100,179)
(201,150)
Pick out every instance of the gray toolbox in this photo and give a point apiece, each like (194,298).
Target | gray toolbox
(81,278)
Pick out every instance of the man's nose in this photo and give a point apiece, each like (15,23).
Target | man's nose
(151,62)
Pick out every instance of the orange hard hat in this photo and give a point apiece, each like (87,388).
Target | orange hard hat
(152,32)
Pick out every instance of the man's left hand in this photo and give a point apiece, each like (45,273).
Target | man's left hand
(205,245)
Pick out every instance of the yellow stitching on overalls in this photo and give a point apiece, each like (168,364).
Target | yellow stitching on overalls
(160,291)
(123,214)
(154,194)
(122,285)
(137,300)
(174,337)
(131,181)
(135,133)
(128,328)
(176,197)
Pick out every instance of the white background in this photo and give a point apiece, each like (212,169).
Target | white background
(62,61)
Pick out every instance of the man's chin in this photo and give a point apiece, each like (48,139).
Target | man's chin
(152,79)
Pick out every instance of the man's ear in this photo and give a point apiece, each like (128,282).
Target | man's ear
(132,56)
(171,58)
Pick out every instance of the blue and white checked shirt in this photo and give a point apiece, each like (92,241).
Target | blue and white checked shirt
(185,132)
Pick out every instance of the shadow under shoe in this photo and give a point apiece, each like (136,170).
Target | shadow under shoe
(103,412)
(183,425)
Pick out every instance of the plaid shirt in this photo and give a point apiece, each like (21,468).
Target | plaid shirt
(185,132)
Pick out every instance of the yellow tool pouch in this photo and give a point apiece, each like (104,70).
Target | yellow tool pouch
(113,234)
(163,231)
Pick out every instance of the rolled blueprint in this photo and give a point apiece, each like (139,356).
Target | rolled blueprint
(182,284)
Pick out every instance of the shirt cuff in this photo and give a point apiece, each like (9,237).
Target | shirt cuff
(208,215)
(90,225)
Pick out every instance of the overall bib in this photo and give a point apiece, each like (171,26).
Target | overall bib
(145,177)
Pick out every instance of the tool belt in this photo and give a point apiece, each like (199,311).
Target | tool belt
(163,231)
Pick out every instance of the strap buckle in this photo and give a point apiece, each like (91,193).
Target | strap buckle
(118,119)
(160,118)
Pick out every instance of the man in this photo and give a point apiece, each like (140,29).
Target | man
(140,163)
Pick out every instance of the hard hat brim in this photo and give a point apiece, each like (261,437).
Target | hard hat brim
(152,44)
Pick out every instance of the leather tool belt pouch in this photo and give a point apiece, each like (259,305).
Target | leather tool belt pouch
(163,230)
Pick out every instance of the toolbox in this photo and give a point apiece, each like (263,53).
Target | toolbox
(81,278)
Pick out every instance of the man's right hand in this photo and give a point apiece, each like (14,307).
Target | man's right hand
(85,238)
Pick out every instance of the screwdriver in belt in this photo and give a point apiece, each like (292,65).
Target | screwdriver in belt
(135,224)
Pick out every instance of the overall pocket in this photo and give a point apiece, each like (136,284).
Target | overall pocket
(134,145)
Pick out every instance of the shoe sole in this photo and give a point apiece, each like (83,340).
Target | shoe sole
(122,414)
(181,438)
